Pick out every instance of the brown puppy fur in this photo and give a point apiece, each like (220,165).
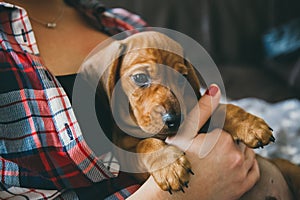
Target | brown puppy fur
(153,109)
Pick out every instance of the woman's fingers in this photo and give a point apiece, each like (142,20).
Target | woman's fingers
(196,118)
(252,176)
(207,104)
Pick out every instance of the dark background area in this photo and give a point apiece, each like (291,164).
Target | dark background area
(234,34)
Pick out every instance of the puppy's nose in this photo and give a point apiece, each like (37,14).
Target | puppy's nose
(172,121)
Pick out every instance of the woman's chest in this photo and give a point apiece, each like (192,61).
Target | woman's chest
(64,48)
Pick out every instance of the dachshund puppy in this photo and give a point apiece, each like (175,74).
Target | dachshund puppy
(144,91)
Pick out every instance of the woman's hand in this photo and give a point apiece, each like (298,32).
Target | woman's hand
(222,168)
(227,172)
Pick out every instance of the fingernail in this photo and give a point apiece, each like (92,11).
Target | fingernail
(212,90)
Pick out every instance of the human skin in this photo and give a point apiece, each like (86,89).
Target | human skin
(226,172)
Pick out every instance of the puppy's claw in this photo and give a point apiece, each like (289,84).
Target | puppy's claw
(272,138)
(190,171)
(260,145)
(186,184)
(182,190)
(170,191)
(270,129)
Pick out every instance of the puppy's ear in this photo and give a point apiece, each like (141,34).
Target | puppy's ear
(101,66)
(191,97)
(112,73)
(193,78)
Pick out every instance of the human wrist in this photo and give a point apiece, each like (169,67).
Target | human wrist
(149,190)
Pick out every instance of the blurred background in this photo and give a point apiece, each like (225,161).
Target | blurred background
(255,43)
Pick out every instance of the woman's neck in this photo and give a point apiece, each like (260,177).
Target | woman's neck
(71,40)
(39,10)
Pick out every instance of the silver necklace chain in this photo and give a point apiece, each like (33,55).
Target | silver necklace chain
(53,23)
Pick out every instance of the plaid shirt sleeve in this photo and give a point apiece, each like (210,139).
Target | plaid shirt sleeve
(109,20)
(41,144)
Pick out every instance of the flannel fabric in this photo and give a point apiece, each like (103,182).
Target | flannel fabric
(42,152)
(109,20)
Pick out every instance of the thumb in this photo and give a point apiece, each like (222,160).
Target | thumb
(196,118)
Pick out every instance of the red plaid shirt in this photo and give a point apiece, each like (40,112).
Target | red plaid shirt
(42,152)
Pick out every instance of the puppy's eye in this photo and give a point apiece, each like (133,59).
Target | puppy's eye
(141,79)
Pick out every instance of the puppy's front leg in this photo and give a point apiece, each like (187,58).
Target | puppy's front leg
(166,163)
(243,126)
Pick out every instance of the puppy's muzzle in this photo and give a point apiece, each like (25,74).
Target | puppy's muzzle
(172,121)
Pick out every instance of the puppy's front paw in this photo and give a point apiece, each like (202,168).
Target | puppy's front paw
(255,132)
(248,128)
(172,175)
